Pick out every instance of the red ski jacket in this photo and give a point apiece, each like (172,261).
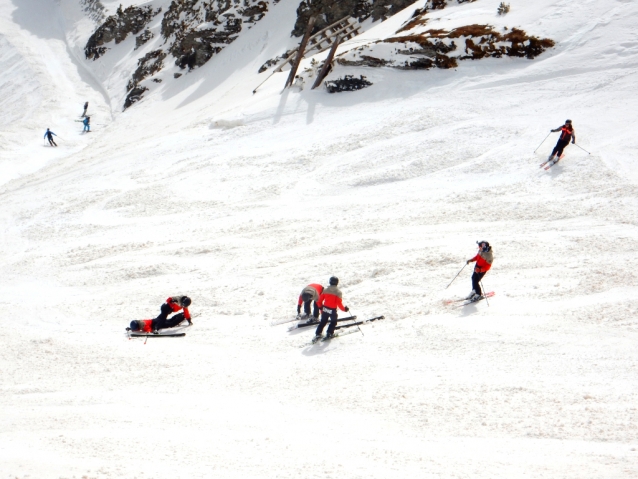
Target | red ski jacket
(331,298)
(483,265)
(318,289)
(174,304)
(146,325)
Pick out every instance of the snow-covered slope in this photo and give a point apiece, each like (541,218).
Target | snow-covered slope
(240,200)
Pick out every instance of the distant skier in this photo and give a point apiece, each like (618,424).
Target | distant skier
(87,124)
(310,294)
(566,133)
(49,136)
(484,259)
(329,301)
(86,107)
(172,305)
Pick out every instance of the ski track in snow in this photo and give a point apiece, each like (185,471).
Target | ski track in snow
(239,201)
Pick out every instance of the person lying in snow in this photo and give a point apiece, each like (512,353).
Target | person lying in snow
(484,259)
(310,294)
(172,305)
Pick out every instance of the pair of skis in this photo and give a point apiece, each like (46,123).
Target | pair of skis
(343,331)
(314,322)
(549,163)
(465,301)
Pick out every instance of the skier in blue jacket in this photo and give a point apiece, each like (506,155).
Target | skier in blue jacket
(49,136)
(87,123)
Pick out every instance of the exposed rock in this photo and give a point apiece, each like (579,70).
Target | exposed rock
(198,29)
(134,95)
(117,27)
(94,9)
(330,11)
(347,83)
(142,38)
(148,65)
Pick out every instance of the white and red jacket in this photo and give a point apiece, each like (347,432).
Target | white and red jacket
(314,289)
(331,298)
(174,303)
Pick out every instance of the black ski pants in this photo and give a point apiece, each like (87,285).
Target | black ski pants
(51,142)
(306,308)
(163,321)
(476,279)
(560,146)
(327,314)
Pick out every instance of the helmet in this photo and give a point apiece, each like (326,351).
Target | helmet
(484,245)
(568,121)
(334,281)
(134,326)
(185,301)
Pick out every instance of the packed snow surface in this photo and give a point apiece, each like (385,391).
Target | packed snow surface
(241,200)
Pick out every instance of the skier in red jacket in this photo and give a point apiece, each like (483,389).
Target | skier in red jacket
(484,259)
(172,305)
(566,133)
(328,303)
(310,294)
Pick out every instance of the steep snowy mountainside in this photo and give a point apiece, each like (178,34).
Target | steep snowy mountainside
(242,199)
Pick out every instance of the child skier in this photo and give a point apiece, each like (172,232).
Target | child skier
(87,123)
(329,301)
(310,294)
(567,133)
(49,136)
(484,259)
(172,305)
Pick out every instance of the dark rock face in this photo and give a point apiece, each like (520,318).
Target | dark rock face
(117,27)
(330,11)
(223,20)
(148,65)
(142,38)
(347,83)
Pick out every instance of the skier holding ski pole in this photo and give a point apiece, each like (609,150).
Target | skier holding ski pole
(484,259)
(566,133)
(49,136)
(457,275)
(329,301)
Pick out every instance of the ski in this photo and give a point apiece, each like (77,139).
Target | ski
(468,302)
(551,162)
(452,301)
(360,322)
(314,323)
(151,335)
(284,321)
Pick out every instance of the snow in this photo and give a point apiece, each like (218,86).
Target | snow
(241,200)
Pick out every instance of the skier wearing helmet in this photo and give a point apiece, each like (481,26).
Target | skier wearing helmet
(484,259)
(566,133)
(172,305)
(329,301)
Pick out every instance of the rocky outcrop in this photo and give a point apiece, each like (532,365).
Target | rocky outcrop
(347,83)
(197,30)
(117,27)
(330,11)
(94,10)
(148,65)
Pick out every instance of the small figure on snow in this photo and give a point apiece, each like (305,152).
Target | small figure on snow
(87,124)
(484,259)
(172,305)
(86,107)
(567,133)
(329,301)
(49,136)
(310,294)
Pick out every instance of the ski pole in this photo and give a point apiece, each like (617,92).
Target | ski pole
(457,275)
(583,149)
(358,327)
(483,288)
(543,141)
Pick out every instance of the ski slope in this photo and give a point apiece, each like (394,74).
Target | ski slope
(241,200)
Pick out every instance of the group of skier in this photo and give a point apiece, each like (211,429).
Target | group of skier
(48,135)
(325,302)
